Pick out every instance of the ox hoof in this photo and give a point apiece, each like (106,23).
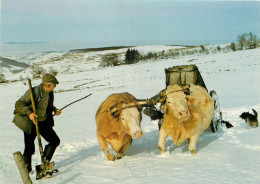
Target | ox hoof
(193,152)
(111,157)
(120,155)
(161,150)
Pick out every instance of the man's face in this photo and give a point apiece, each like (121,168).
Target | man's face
(49,87)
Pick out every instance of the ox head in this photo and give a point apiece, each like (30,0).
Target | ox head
(176,102)
(130,116)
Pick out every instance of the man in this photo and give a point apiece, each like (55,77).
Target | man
(24,116)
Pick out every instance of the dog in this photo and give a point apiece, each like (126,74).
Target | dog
(250,119)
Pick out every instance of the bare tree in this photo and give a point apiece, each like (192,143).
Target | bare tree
(233,46)
(252,41)
(2,78)
(109,60)
(218,48)
(37,71)
(202,48)
(242,40)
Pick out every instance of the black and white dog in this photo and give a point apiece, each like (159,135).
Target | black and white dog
(250,118)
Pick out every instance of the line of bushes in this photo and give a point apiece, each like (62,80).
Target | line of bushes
(133,56)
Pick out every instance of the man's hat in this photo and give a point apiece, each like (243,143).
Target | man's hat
(50,78)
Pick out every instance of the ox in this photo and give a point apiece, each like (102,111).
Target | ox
(186,115)
(118,121)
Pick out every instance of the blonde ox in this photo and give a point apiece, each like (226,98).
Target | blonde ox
(118,121)
(185,116)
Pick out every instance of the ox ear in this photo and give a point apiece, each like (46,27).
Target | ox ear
(165,107)
(192,100)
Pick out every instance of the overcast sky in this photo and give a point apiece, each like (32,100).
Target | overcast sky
(135,22)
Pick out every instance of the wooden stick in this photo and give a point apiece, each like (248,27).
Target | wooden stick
(35,121)
(75,101)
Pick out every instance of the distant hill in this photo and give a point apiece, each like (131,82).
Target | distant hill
(12,65)
(25,42)
(7,62)
(100,49)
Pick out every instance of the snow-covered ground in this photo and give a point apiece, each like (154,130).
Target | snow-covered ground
(231,156)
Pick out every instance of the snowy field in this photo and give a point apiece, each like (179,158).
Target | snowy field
(231,156)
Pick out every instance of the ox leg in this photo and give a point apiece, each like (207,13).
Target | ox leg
(126,142)
(192,144)
(162,138)
(104,147)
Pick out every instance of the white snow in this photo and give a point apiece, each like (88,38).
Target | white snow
(231,156)
(155,48)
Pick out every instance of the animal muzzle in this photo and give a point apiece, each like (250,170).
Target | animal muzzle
(185,114)
(138,134)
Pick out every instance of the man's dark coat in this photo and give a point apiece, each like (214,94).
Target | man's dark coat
(23,108)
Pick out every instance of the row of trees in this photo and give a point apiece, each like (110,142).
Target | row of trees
(38,71)
(133,56)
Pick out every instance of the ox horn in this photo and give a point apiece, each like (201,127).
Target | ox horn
(114,111)
(142,102)
(113,108)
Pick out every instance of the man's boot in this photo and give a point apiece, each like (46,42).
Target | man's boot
(48,152)
(28,161)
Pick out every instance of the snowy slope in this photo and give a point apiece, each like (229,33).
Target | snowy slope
(232,156)
(74,61)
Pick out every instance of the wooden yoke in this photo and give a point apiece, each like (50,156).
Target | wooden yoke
(35,121)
